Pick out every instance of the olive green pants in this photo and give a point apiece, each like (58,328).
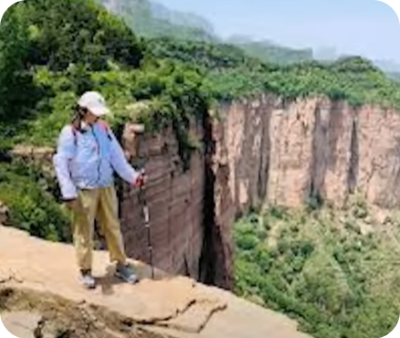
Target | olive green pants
(98,204)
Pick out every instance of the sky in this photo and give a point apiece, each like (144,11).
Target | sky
(359,27)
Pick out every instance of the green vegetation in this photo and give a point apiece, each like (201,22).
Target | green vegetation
(323,268)
(170,92)
(58,61)
(269,52)
(48,33)
(210,56)
(355,80)
(30,196)
(233,75)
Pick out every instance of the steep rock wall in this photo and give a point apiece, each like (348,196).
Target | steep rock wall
(175,200)
(283,153)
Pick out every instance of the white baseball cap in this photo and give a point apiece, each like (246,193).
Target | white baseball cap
(95,103)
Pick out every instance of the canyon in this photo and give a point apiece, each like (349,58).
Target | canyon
(254,153)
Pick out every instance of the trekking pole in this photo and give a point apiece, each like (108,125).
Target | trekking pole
(146,216)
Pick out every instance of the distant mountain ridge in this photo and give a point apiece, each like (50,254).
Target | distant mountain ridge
(180,18)
(271,52)
(151,19)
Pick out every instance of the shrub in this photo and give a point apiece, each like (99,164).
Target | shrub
(31,202)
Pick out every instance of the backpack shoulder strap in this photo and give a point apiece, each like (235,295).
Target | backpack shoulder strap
(104,125)
(74,132)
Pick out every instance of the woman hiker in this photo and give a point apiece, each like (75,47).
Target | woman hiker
(87,156)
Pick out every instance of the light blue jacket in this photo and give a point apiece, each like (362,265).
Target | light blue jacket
(87,160)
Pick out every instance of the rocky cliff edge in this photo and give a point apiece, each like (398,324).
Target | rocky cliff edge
(40,297)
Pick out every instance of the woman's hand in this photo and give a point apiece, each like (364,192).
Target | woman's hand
(141,179)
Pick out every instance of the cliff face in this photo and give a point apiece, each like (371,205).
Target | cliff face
(175,200)
(283,153)
(258,152)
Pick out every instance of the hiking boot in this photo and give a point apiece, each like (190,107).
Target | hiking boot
(87,279)
(126,273)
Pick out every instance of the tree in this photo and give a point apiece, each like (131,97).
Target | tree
(17,91)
